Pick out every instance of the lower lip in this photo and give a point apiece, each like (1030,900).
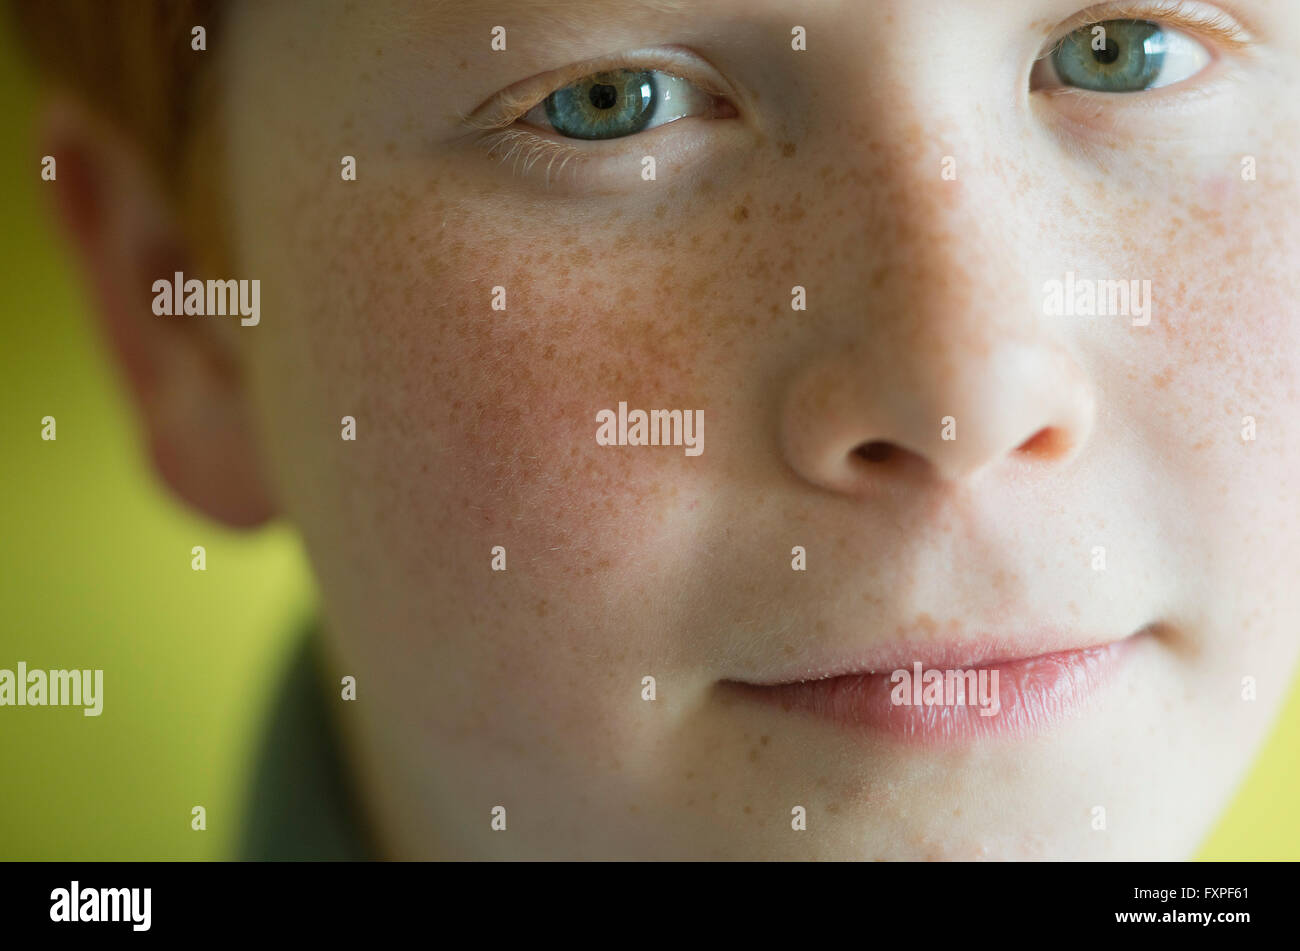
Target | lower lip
(1032,696)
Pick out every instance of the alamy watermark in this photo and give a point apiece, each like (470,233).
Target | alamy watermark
(956,687)
(1085,297)
(75,904)
(194,298)
(53,688)
(657,427)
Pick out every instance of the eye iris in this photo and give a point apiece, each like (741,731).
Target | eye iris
(604,106)
(1128,57)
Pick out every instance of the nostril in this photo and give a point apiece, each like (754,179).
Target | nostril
(879,459)
(1048,443)
(876,451)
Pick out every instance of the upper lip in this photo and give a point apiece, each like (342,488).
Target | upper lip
(974,650)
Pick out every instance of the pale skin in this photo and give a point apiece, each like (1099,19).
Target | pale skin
(523,688)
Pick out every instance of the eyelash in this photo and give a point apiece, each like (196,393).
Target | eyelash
(526,146)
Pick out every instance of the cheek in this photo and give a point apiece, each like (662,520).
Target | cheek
(513,407)
(477,426)
(1225,341)
(593,315)
(1214,382)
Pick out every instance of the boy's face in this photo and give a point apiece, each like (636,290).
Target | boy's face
(1101,487)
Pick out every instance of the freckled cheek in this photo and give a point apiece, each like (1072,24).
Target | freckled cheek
(1224,344)
(513,406)
(1224,290)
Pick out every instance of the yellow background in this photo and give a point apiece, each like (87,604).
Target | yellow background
(95,573)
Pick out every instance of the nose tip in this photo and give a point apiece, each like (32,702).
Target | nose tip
(852,428)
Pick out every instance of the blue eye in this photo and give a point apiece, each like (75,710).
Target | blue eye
(603,106)
(1127,56)
(617,103)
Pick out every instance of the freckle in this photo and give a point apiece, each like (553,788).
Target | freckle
(788,149)
(764,740)
(833,809)
(748,810)
(690,774)
(740,214)
(753,755)
(632,810)
(462,65)
(541,608)
(660,210)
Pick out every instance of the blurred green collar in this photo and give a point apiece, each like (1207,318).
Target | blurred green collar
(300,806)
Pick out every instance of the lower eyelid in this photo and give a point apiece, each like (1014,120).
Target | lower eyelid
(523,149)
(1182,112)
(589,168)
(1213,79)
(593,148)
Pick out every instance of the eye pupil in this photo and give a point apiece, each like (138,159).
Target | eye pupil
(1107,54)
(603,96)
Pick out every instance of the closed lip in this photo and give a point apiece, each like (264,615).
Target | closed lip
(1016,691)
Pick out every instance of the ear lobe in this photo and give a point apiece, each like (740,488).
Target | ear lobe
(186,385)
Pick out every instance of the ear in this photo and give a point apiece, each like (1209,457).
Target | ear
(183,373)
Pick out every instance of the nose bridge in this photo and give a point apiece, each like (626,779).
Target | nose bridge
(934,216)
(950,245)
(946,291)
(948,363)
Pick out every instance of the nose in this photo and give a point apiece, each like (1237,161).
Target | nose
(864,418)
(932,360)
